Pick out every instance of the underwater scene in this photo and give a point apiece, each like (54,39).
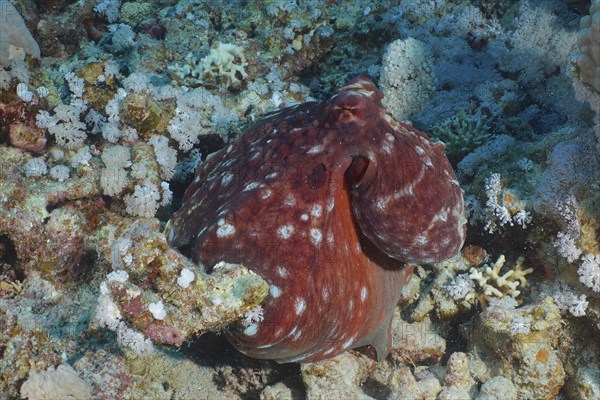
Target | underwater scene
(299,199)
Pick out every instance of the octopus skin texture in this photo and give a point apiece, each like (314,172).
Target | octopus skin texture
(331,203)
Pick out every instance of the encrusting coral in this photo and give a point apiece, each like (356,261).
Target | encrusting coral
(165,296)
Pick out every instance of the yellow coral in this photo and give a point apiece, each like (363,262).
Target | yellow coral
(495,285)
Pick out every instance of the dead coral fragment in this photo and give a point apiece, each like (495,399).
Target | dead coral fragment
(60,383)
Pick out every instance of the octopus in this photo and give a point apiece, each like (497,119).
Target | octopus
(332,203)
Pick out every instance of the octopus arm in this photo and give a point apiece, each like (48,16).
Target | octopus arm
(407,200)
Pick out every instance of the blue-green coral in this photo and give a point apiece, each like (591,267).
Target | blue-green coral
(462,133)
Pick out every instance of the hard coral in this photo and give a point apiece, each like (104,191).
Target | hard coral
(493,284)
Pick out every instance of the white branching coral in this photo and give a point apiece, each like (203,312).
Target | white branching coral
(192,120)
(113,179)
(253,316)
(166,157)
(502,206)
(567,300)
(566,247)
(520,324)
(35,167)
(66,126)
(589,271)
(60,172)
(493,284)
(460,287)
(144,200)
(108,314)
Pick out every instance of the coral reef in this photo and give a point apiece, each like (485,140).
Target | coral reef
(108,108)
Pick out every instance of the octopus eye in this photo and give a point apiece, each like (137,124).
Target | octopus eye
(348,108)
(360,173)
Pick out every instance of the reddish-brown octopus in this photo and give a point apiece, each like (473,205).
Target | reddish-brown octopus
(328,202)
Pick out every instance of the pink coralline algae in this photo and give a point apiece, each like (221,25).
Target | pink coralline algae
(330,203)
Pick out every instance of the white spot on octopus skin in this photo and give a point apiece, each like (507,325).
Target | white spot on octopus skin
(382,204)
(282,272)
(272,175)
(419,150)
(304,217)
(348,343)
(420,240)
(226,180)
(315,149)
(328,351)
(363,293)
(330,204)
(316,236)
(225,229)
(330,238)
(251,330)
(289,200)
(299,305)
(297,335)
(285,231)
(251,186)
(316,210)
(390,137)
(265,194)
(274,291)
(441,216)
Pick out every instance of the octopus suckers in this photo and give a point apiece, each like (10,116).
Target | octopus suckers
(285,231)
